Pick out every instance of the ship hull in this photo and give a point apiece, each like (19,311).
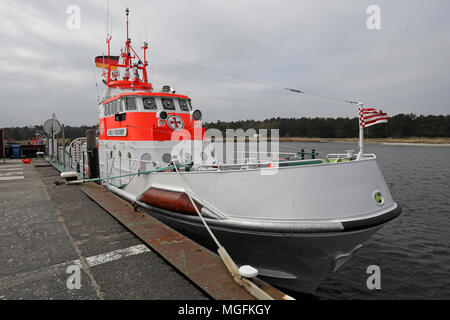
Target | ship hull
(296,224)
(294,261)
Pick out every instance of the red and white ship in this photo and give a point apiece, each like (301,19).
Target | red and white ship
(295,220)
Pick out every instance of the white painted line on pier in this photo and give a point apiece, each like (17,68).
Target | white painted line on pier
(34,275)
(116,254)
(11,166)
(11,173)
(112,255)
(11,178)
(11,169)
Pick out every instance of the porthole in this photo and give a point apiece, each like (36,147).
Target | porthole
(163,115)
(145,159)
(196,115)
(166,157)
(168,104)
(149,103)
(120,154)
(111,154)
(378,197)
(129,155)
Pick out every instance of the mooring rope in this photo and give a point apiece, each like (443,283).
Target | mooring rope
(248,285)
(124,175)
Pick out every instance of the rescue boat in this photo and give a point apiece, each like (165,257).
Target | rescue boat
(295,220)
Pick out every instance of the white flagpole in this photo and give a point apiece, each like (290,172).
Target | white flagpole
(361,134)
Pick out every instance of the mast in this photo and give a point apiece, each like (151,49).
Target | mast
(128,81)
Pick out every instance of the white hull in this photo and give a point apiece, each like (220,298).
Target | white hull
(295,224)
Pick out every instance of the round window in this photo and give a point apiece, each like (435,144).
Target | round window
(163,115)
(168,104)
(166,157)
(145,159)
(197,115)
(149,103)
(378,198)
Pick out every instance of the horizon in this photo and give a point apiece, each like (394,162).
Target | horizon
(244,120)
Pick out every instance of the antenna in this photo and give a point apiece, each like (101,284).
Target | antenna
(107,20)
(128,54)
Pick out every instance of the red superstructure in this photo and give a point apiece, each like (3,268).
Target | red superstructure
(138,113)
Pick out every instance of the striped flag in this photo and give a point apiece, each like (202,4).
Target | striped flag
(371,116)
(103,62)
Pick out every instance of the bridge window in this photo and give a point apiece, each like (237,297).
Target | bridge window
(149,103)
(168,104)
(130,103)
(183,105)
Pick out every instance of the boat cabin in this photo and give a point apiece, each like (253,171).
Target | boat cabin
(147,116)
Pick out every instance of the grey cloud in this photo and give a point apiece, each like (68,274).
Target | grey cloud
(322,47)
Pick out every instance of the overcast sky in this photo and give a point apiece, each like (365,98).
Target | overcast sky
(322,47)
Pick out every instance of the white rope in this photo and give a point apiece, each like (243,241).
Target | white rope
(198,211)
(248,285)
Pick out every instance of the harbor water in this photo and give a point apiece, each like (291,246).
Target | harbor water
(413,251)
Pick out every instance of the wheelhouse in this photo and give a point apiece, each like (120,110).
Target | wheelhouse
(147,116)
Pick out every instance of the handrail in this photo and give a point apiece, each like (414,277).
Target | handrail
(345,155)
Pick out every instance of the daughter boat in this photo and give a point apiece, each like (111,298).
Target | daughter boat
(296,220)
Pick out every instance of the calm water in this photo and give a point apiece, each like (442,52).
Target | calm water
(412,251)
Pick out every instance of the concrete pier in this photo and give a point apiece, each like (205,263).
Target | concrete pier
(45,228)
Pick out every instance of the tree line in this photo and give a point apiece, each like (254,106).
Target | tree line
(399,126)
(30,132)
